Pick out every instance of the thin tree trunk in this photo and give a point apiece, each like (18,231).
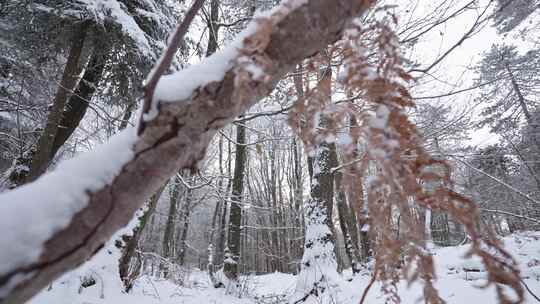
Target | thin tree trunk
(168,235)
(213,28)
(183,237)
(521,99)
(230,267)
(298,241)
(355,194)
(73,113)
(41,158)
(79,101)
(351,248)
(128,275)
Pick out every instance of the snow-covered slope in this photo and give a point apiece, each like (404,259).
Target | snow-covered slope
(458,282)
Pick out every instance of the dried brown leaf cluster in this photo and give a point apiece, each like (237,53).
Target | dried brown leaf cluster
(373,72)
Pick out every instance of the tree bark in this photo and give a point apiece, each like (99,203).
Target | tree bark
(72,114)
(78,103)
(41,158)
(521,98)
(213,28)
(177,138)
(167,245)
(230,266)
(128,275)
(182,243)
(351,247)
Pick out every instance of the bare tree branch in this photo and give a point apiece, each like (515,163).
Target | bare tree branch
(511,214)
(165,61)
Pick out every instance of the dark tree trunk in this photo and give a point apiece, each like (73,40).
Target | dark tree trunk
(355,196)
(78,102)
(351,247)
(230,266)
(129,272)
(74,110)
(40,156)
(319,259)
(182,242)
(168,235)
(213,28)
(127,116)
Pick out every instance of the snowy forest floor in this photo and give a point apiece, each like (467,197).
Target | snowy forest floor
(455,284)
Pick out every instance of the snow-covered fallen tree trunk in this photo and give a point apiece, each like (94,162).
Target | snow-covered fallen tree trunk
(59,221)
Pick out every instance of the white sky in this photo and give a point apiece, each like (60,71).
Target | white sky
(454,72)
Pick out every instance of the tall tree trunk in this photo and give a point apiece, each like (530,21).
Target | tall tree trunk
(40,159)
(216,251)
(168,235)
(78,102)
(319,265)
(221,204)
(129,274)
(213,27)
(182,242)
(355,195)
(521,98)
(230,266)
(351,247)
(298,241)
(73,112)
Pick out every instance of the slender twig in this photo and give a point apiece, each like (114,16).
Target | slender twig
(524,195)
(459,91)
(511,214)
(166,59)
(364,295)
(529,290)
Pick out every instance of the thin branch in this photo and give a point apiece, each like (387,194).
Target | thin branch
(166,59)
(458,91)
(511,214)
(522,194)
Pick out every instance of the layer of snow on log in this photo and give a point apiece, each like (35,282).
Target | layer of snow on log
(180,85)
(48,205)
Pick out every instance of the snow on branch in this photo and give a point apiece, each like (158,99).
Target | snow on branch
(34,212)
(112,10)
(61,220)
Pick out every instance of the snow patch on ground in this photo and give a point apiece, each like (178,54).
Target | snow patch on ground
(456,285)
